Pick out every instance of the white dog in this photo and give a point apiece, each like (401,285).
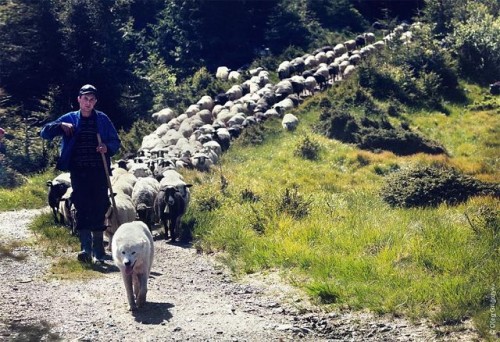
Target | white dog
(133,250)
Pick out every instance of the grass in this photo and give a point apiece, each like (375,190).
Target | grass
(32,194)
(56,242)
(351,249)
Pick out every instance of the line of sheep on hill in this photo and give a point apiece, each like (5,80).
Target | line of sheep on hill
(148,186)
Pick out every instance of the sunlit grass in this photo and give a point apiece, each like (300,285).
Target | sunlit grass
(56,242)
(32,194)
(352,249)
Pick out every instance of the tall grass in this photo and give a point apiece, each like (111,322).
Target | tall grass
(350,248)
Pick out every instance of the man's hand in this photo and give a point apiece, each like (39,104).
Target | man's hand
(67,128)
(102,148)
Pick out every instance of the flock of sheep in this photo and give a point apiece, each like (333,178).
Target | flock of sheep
(137,195)
(149,188)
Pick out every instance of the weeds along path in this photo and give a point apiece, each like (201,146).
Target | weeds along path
(190,298)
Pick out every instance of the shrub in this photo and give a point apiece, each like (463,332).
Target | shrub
(293,203)
(253,135)
(308,149)
(476,41)
(417,73)
(376,135)
(430,186)
(9,178)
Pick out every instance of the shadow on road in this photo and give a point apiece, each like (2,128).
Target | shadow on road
(153,313)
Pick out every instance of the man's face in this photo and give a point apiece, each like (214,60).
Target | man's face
(87,103)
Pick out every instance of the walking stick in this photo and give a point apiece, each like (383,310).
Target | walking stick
(99,141)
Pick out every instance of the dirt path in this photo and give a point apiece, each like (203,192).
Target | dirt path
(190,298)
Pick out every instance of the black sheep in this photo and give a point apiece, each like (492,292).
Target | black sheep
(170,205)
(57,188)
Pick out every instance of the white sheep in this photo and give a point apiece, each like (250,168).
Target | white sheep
(164,115)
(122,185)
(206,102)
(348,71)
(192,110)
(234,76)
(290,122)
(339,50)
(124,212)
(222,73)
(369,38)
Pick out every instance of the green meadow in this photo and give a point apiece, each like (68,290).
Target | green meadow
(324,226)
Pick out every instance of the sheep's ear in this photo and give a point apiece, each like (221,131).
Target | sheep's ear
(189,185)
(49,183)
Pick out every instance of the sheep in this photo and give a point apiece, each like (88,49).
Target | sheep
(310,62)
(360,40)
(163,116)
(234,93)
(122,186)
(342,66)
(222,136)
(201,162)
(255,71)
(206,102)
(310,84)
(222,73)
(380,45)
(298,84)
(57,188)
(321,57)
(284,70)
(169,206)
(143,197)
(192,110)
(284,105)
(333,70)
(140,170)
(354,59)
(214,146)
(67,211)
(495,88)
(123,213)
(350,44)
(321,80)
(290,122)
(348,71)
(298,64)
(339,50)
(369,38)
(284,88)
(149,141)
(234,76)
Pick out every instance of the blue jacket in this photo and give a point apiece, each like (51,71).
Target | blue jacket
(105,127)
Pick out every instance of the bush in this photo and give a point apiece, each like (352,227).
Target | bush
(430,186)
(9,178)
(476,41)
(308,149)
(376,135)
(420,72)
(294,204)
